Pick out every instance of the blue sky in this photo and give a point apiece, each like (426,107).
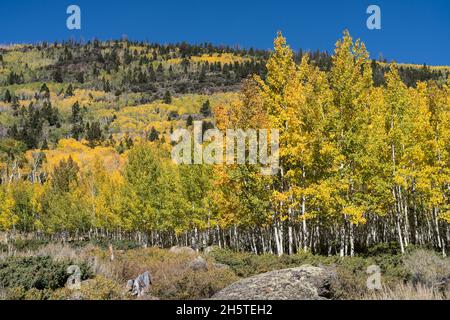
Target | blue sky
(416,31)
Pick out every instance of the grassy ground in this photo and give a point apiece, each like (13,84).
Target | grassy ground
(36,270)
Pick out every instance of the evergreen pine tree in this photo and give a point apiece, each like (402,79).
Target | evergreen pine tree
(154,134)
(7,97)
(189,121)
(167,97)
(205,110)
(69,91)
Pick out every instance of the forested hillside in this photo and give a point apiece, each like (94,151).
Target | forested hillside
(85,146)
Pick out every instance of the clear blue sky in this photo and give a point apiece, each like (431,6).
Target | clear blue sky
(416,31)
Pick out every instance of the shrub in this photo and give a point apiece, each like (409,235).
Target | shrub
(391,248)
(194,285)
(101,288)
(348,284)
(427,267)
(36,273)
(19,293)
(246,264)
(15,293)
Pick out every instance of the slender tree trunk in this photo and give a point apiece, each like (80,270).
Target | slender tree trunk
(352,241)
(400,237)
(304,228)
(291,240)
(342,241)
(277,240)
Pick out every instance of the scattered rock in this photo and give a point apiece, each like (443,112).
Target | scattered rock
(184,250)
(302,283)
(140,286)
(129,286)
(198,263)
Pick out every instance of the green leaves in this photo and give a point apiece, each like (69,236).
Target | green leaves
(36,273)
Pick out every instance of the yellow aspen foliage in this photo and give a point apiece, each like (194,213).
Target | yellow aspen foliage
(7,217)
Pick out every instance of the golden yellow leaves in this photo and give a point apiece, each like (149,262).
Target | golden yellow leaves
(281,68)
(7,217)
(355,214)
(445,216)
(81,153)
(223,58)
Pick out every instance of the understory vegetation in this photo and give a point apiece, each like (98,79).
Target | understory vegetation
(39,271)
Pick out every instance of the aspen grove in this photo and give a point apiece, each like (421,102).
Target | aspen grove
(360,164)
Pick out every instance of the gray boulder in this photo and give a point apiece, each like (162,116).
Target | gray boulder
(302,283)
(182,250)
(140,286)
(198,264)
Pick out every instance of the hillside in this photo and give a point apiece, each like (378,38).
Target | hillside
(122,85)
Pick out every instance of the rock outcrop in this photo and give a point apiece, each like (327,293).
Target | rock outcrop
(302,283)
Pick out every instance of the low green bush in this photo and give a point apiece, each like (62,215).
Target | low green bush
(391,248)
(37,272)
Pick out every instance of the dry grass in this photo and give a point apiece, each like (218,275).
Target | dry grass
(428,274)
(427,267)
(407,292)
(57,251)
